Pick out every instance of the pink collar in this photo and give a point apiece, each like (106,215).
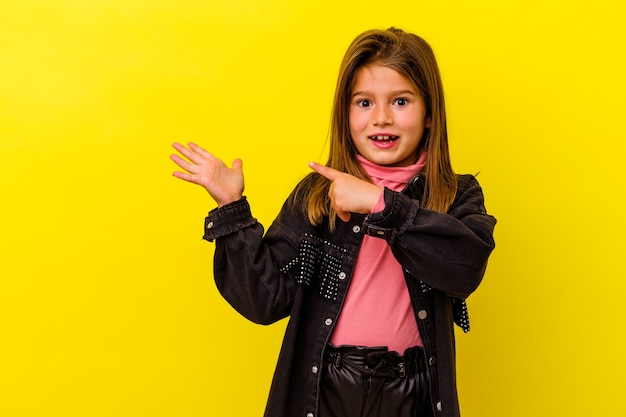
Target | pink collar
(395,174)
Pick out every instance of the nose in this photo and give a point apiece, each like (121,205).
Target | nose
(382,116)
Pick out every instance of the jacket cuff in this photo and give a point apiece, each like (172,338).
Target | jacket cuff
(228,219)
(393,220)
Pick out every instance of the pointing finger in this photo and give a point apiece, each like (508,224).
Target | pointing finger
(330,173)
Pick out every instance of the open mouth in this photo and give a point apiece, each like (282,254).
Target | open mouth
(384,138)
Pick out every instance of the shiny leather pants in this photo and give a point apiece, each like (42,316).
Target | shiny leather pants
(373,382)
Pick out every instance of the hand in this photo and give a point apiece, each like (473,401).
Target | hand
(224,184)
(348,193)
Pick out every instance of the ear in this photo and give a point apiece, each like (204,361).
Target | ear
(427,122)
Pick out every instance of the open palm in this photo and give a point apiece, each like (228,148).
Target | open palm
(224,184)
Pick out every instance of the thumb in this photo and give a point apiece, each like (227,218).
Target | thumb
(238,165)
(344,216)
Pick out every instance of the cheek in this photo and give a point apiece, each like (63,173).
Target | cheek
(356,122)
(416,123)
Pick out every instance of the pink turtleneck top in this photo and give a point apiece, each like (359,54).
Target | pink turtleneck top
(377,310)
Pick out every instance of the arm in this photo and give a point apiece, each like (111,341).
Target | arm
(247,263)
(446,251)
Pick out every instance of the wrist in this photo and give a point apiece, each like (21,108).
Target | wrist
(229,200)
(380,201)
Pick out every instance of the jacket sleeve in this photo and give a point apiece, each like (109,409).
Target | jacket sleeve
(449,251)
(247,264)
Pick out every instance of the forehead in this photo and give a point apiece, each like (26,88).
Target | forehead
(379,78)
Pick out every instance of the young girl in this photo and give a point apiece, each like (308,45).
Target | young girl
(372,255)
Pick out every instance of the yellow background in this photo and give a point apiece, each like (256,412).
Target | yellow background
(107,305)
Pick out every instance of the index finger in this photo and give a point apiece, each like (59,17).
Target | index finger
(194,153)
(323,170)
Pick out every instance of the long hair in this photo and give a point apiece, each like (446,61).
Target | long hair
(411,56)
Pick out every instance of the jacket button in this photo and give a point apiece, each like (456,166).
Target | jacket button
(439,406)
(422,314)
(328,322)
(314,369)
(432,361)
(209,225)
(342,275)
(356,229)
(309,415)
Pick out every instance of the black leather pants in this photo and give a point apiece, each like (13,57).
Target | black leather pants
(373,382)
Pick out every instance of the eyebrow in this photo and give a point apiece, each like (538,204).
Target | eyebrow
(393,93)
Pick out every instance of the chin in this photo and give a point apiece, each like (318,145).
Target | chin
(387,160)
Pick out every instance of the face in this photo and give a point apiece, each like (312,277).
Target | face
(387,116)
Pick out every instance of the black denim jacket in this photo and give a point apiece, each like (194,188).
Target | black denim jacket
(303,271)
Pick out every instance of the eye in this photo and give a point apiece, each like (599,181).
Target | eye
(363,103)
(401,101)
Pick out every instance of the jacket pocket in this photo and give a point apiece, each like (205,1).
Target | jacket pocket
(318,265)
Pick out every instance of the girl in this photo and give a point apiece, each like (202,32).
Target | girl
(372,254)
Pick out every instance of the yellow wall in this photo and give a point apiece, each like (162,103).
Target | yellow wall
(107,305)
